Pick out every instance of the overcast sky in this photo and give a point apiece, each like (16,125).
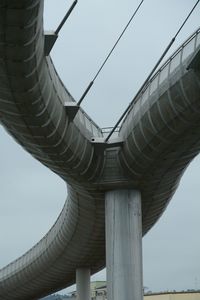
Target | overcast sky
(31,196)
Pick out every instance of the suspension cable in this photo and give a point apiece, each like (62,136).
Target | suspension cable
(152,72)
(109,54)
(66,17)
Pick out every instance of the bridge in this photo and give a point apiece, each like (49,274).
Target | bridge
(117,188)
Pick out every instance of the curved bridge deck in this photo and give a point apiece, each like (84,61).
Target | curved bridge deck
(160,137)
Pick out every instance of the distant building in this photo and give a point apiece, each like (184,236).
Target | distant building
(174,296)
(99,292)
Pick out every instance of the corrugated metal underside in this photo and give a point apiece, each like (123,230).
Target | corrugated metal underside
(159,142)
(162,139)
(75,240)
(32,111)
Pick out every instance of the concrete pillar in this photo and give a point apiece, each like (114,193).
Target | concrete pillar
(83,283)
(124,245)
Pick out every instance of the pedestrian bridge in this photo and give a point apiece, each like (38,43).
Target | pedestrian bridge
(142,165)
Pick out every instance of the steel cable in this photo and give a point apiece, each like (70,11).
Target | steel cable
(109,54)
(152,72)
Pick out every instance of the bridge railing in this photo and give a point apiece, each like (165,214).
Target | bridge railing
(107,130)
(180,56)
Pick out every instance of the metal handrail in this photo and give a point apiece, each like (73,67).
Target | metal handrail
(165,64)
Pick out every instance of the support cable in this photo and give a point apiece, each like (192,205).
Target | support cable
(151,73)
(109,54)
(66,17)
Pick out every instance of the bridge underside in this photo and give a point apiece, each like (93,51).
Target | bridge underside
(160,137)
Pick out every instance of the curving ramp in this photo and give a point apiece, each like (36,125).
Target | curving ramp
(157,140)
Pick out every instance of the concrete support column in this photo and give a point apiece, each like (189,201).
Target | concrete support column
(124,245)
(83,283)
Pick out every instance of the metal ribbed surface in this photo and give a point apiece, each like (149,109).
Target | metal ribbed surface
(160,139)
(161,131)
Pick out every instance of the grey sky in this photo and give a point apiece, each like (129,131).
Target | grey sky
(31,196)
